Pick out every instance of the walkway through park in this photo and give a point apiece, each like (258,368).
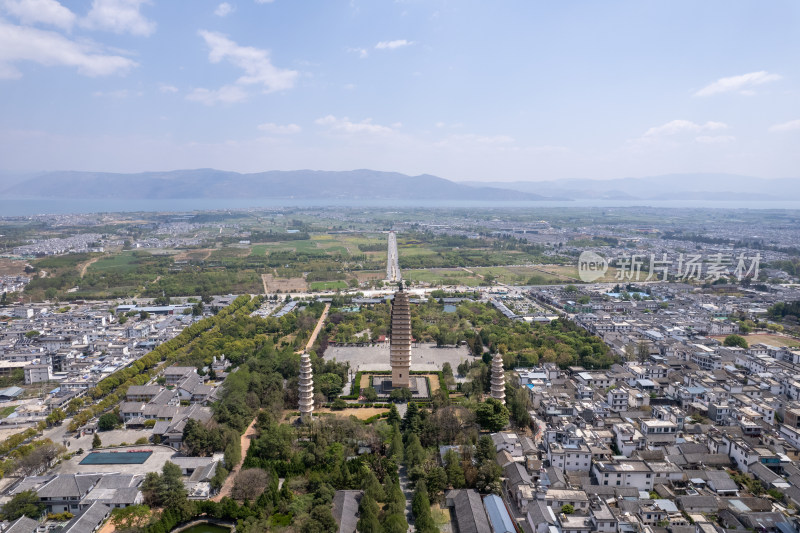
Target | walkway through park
(317,329)
(247,438)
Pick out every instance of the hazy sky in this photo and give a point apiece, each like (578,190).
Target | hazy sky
(494,90)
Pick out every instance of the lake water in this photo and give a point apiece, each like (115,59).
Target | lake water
(30,206)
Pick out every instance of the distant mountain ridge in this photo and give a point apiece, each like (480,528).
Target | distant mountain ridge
(294,184)
(698,186)
(365,185)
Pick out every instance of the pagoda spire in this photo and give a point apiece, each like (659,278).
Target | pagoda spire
(498,379)
(306,388)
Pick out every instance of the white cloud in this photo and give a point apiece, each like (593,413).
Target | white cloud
(742,84)
(20,43)
(675,127)
(223,10)
(391,45)
(279,129)
(258,69)
(362,52)
(119,16)
(165,88)
(41,11)
(227,94)
(345,125)
(715,139)
(786,126)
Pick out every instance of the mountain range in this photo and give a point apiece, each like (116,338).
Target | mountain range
(376,185)
(708,187)
(293,184)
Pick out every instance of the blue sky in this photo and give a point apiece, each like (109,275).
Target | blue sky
(495,90)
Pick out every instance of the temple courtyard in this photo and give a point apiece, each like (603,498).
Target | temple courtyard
(424,357)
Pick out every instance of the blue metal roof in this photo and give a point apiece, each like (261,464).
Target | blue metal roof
(498,515)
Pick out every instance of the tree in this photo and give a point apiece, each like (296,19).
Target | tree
(24,503)
(40,458)
(131,517)
(643,352)
(735,340)
(630,352)
(96,442)
(56,417)
(492,415)
(455,473)
(436,481)
(107,422)
(370,394)
(421,508)
(488,479)
(368,515)
(151,488)
(329,384)
(414,452)
(400,395)
(372,487)
(249,484)
(394,416)
(567,508)
(172,493)
(396,449)
(485,450)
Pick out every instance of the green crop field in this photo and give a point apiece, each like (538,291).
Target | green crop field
(328,285)
(259,250)
(442,276)
(124,262)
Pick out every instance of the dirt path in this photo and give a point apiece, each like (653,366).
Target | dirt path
(88,263)
(227,487)
(317,329)
(264,281)
(465,269)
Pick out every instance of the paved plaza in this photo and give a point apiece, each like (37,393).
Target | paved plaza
(154,463)
(424,357)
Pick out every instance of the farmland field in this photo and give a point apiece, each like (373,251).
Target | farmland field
(328,285)
(772,340)
(442,276)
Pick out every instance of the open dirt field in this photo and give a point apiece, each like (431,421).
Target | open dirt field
(12,267)
(361,414)
(772,340)
(370,275)
(273,284)
(193,255)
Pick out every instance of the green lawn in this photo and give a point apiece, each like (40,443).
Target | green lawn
(123,262)
(327,285)
(297,246)
(259,250)
(5,411)
(519,275)
(440,276)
